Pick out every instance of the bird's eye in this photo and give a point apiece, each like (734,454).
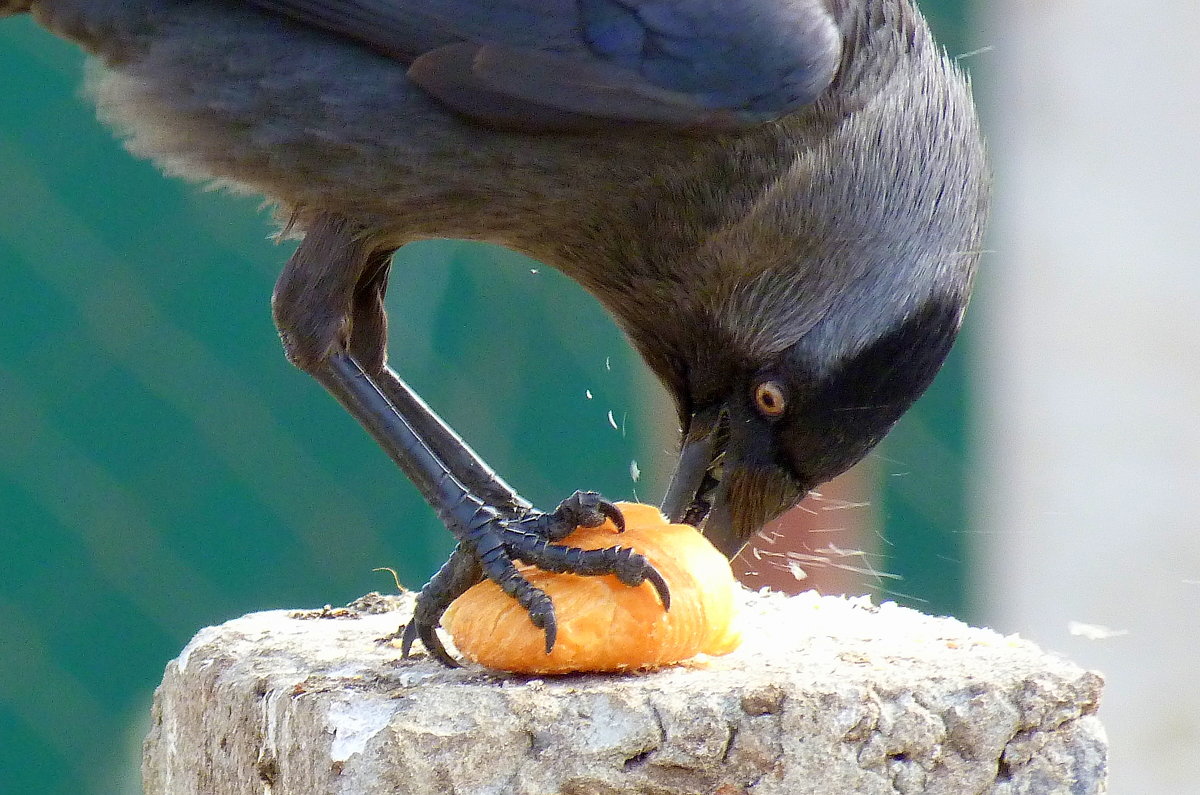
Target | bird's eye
(770,399)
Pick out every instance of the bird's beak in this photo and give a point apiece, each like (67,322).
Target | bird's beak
(697,480)
(719,494)
(745,500)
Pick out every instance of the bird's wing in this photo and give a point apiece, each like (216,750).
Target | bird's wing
(561,64)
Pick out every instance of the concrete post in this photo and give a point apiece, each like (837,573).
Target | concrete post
(827,695)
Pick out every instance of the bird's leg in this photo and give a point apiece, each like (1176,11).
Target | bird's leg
(328,306)
(458,574)
(368,345)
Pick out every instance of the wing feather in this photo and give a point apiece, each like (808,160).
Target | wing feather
(572,64)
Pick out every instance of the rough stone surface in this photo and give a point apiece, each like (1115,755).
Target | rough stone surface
(827,695)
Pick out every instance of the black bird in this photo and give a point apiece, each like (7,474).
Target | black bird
(780,202)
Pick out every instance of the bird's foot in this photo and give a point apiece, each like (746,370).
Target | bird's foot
(490,545)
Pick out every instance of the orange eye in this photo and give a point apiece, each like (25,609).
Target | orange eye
(770,399)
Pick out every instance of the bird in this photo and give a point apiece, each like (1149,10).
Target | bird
(780,202)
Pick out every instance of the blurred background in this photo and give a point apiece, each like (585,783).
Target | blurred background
(162,467)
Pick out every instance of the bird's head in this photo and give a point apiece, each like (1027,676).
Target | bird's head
(796,285)
(817,299)
(760,431)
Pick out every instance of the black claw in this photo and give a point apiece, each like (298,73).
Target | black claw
(429,638)
(434,645)
(581,509)
(614,513)
(660,585)
(451,581)
(490,542)
(409,634)
(542,616)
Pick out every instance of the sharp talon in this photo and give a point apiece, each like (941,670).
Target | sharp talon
(613,513)
(543,618)
(429,639)
(434,645)
(660,585)
(409,631)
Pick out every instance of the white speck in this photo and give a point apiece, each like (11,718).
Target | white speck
(1094,631)
(608,363)
(408,679)
(795,570)
(534,271)
(587,393)
(613,421)
(973,53)
(634,471)
(355,723)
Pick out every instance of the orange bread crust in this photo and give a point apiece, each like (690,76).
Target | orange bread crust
(603,624)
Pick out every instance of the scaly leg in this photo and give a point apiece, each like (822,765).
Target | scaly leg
(328,306)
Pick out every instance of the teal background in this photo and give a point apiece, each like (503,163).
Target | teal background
(922,466)
(162,467)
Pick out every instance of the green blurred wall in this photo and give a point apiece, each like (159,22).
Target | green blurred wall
(163,468)
(923,463)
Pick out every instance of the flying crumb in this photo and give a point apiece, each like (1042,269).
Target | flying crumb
(1094,631)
